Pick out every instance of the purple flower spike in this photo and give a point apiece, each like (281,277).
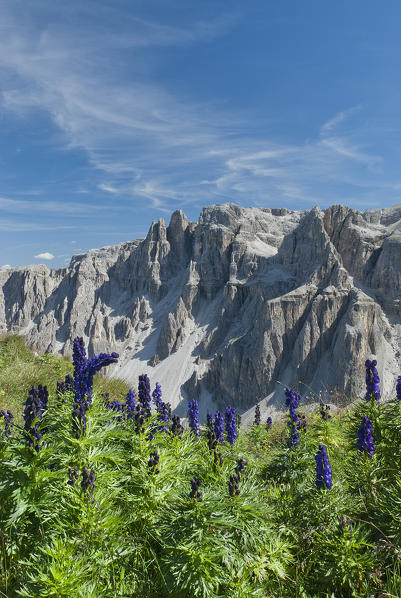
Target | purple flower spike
(193,417)
(144,394)
(372,380)
(219,426)
(257,416)
(130,404)
(8,416)
(365,438)
(230,424)
(323,469)
(157,395)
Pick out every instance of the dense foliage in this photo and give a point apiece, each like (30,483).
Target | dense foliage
(104,497)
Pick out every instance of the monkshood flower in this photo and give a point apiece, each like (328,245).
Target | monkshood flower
(257,416)
(73,475)
(8,416)
(139,419)
(324,411)
(372,380)
(193,417)
(177,428)
(88,481)
(144,394)
(269,423)
(323,469)
(211,440)
(398,388)
(230,424)
(163,416)
(153,463)
(365,438)
(292,403)
(157,395)
(195,489)
(241,468)
(209,421)
(130,404)
(219,426)
(35,406)
(233,488)
(84,370)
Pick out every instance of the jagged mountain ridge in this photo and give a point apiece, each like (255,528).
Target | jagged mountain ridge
(224,308)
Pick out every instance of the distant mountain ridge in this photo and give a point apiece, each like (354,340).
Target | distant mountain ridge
(224,308)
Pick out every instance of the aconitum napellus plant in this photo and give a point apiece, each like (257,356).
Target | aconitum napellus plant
(35,406)
(130,404)
(8,416)
(157,395)
(230,424)
(144,394)
(84,371)
(257,416)
(193,417)
(372,380)
(365,442)
(219,426)
(323,469)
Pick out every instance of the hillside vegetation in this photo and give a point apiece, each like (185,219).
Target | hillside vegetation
(104,496)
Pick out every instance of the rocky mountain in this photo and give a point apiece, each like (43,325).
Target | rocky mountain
(232,307)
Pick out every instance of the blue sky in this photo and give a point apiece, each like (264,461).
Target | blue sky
(114,114)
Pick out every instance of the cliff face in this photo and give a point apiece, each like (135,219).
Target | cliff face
(225,308)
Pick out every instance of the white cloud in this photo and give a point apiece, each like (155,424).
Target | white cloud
(44,256)
(107,188)
(146,141)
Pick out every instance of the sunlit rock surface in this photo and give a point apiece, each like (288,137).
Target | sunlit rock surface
(229,309)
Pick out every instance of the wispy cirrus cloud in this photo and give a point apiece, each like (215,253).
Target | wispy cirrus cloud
(149,143)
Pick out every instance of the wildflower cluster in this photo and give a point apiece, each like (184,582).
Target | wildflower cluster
(157,395)
(88,481)
(241,468)
(8,416)
(176,427)
(35,406)
(233,486)
(230,424)
(292,402)
(193,417)
(269,423)
(130,404)
(153,463)
(372,380)
(365,442)
(84,371)
(324,411)
(257,416)
(323,469)
(144,395)
(219,426)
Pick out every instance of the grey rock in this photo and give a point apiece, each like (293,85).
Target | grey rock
(232,308)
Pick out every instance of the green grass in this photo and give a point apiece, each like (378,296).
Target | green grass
(140,534)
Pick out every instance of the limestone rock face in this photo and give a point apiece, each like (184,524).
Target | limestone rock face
(231,308)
